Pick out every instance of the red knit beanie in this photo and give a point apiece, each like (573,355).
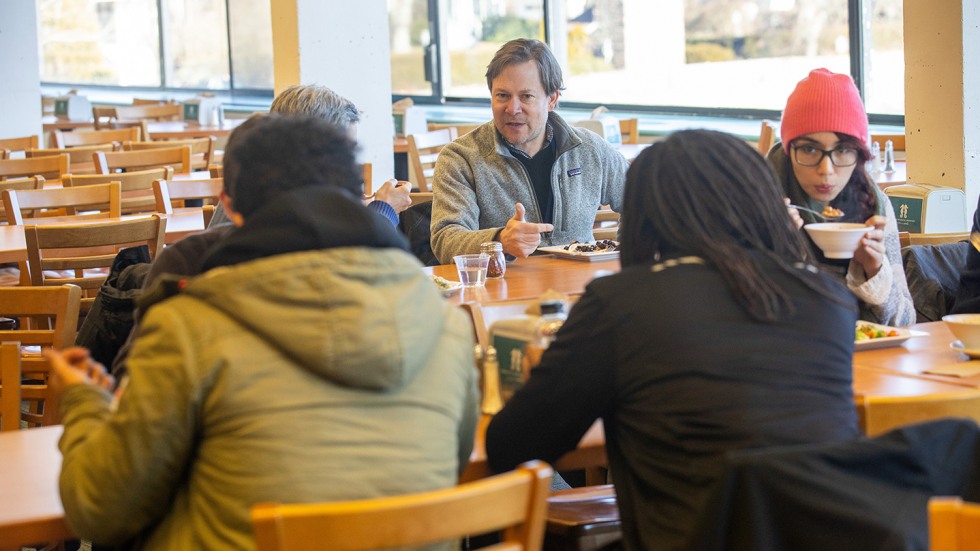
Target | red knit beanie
(824,102)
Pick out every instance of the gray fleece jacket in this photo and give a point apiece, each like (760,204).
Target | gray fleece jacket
(478,181)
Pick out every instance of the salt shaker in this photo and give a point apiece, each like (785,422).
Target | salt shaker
(498,264)
(889,156)
(875,158)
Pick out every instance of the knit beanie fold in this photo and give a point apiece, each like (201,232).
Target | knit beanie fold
(824,102)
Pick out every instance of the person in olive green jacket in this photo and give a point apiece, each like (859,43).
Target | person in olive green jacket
(312,361)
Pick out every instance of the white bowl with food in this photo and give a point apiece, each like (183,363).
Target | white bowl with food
(837,239)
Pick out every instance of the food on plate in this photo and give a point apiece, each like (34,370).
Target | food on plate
(831,212)
(444,283)
(600,246)
(867,332)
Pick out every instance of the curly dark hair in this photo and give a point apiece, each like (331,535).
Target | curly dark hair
(707,193)
(277,153)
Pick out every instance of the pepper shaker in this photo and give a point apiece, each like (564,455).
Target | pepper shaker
(498,264)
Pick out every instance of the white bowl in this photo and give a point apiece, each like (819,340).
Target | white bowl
(837,239)
(966,328)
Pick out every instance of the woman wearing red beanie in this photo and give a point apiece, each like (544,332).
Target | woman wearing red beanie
(820,162)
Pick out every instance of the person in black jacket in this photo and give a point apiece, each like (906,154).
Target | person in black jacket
(968,294)
(717,335)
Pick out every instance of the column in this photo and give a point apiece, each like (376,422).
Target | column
(20,85)
(942,95)
(345,49)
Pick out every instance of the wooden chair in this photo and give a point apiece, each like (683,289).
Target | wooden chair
(137,186)
(881,414)
(151,101)
(423,150)
(936,238)
(8,145)
(606,225)
(151,112)
(19,184)
(767,137)
(79,158)
(49,319)
(166,192)
(515,501)
(202,149)
(461,129)
(630,128)
(954,525)
(67,140)
(367,175)
(103,198)
(177,157)
(81,247)
(52,168)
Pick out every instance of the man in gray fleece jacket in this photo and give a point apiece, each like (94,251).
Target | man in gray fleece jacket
(526,178)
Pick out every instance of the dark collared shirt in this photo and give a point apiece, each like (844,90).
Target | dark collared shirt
(539,170)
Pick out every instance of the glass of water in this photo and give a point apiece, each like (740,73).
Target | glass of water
(472,269)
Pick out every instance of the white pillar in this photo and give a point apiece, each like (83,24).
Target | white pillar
(942,95)
(20,84)
(317,42)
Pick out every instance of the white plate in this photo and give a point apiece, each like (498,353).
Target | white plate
(561,252)
(885,342)
(452,289)
(971,352)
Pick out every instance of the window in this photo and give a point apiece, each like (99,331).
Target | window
(694,56)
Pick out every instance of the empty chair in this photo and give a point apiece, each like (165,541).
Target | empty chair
(51,168)
(630,129)
(79,158)
(49,319)
(82,247)
(423,150)
(35,182)
(137,186)
(67,140)
(123,161)
(8,145)
(877,415)
(168,112)
(767,137)
(515,502)
(167,191)
(954,525)
(105,199)
(202,149)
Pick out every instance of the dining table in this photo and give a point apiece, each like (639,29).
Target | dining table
(31,509)
(183,222)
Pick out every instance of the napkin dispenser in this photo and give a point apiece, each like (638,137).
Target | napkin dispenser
(407,118)
(73,107)
(927,208)
(204,110)
(509,337)
(604,125)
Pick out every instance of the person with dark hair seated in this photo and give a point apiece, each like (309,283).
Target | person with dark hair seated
(718,334)
(820,164)
(968,294)
(310,361)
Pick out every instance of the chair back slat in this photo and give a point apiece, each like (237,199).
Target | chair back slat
(515,502)
(423,150)
(879,414)
(67,140)
(954,525)
(137,186)
(105,198)
(177,157)
(52,167)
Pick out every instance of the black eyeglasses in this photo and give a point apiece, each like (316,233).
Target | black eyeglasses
(808,155)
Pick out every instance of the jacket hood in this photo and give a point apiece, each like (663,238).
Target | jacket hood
(339,311)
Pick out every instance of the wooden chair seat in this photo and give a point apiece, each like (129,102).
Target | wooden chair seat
(515,502)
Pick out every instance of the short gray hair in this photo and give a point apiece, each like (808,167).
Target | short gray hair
(521,50)
(316,101)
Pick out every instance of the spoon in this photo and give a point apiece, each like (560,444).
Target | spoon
(820,214)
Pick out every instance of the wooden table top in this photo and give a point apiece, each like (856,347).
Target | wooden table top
(898,176)
(13,246)
(31,510)
(528,278)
